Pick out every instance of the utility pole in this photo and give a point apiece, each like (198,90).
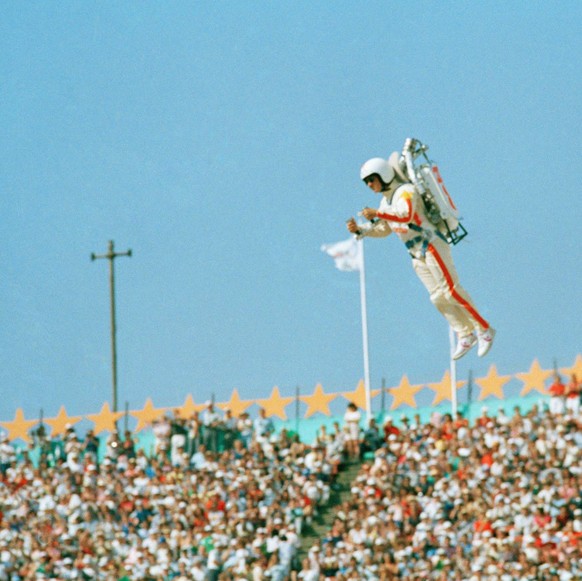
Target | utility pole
(111,256)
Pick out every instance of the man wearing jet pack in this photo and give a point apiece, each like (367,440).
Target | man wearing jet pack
(403,211)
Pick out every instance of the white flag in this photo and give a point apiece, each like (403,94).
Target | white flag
(346,254)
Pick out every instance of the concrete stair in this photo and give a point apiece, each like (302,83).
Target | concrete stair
(326,514)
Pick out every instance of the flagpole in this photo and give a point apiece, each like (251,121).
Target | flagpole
(453,368)
(360,243)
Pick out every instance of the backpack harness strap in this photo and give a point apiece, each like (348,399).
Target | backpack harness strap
(425,236)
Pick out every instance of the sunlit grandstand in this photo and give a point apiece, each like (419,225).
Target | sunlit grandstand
(199,492)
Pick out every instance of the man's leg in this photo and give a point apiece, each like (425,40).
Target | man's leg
(433,282)
(440,263)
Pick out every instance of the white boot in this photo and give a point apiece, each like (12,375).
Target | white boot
(464,344)
(485,341)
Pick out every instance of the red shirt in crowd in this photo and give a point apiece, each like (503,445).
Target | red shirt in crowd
(216,504)
(390,429)
(542,520)
(447,430)
(480,526)
(573,388)
(557,388)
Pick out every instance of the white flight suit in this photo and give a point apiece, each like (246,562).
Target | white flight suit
(402,211)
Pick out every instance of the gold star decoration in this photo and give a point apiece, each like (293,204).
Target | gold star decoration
(318,401)
(492,383)
(236,405)
(358,396)
(534,379)
(147,415)
(575,369)
(188,408)
(442,390)
(59,423)
(275,405)
(105,420)
(19,427)
(404,393)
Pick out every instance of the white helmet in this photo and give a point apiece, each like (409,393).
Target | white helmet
(379,166)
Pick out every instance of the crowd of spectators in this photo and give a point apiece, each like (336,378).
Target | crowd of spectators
(218,499)
(495,500)
(224,498)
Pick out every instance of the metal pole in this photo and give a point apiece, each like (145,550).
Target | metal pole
(469,393)
(40,430)
(111,255)
(453,374)
(365,331)
(297,410)
(383,398)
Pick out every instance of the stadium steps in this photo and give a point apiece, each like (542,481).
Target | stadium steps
(325,516)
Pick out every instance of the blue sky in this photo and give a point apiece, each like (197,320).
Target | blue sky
(221,142)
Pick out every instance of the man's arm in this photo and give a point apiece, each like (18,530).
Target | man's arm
(376,229)
(401,210)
